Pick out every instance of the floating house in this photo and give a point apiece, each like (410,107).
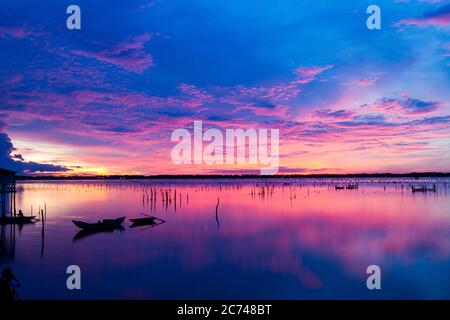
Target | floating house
(7,192)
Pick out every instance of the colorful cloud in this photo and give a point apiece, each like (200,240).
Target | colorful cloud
(439,18)
(129,54)
(105,99)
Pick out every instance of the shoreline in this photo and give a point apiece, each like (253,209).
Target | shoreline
(416,175)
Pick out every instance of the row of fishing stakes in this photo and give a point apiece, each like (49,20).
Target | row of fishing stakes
(166,198)
(262,191)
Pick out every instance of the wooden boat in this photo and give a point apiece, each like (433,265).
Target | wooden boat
(107,224)
(352,186)
(147,221)
(17,220)
(143,221)
(339,187)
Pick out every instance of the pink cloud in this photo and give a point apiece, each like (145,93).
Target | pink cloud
(364,82)
(20,32)
(14,79)
(262,100)
(310,72)
(438,18)
(277,92)
(117,127)
(274,93)
(194,96)
(278,110)
(129,55)
(442,21)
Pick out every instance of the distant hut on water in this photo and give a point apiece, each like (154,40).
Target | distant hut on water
(7,201)
(7,191)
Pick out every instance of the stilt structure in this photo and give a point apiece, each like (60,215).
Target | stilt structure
(7,192)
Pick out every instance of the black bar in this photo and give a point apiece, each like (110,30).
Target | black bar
(227,309)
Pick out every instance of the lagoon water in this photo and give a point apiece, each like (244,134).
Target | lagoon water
(270,239)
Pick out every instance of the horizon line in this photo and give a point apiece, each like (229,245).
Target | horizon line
(232,176)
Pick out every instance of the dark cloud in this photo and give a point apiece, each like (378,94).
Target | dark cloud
(219,118)
(328,113)
(18,157)
(15,162)
(321,128)
(432,120)
(439,11)
(366,120)
(420,106)
(2,123)
(409,105)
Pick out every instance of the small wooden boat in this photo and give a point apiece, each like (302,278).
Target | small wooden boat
(107,224)
(18,220)
(351,186)
(143,221)
(339,187)
(147,221)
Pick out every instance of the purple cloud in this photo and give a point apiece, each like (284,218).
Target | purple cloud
(335,114)
(19,32)
(407,105)
(364,82)
(439,17)
(129,54)
(308,74)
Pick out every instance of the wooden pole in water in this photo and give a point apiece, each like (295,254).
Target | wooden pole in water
(11,205)
(2,199)
(15,191)
(43,217)
(217,214)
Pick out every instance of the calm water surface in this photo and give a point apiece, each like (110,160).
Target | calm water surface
(270,239)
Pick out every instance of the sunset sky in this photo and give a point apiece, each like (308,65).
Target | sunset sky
(105,99)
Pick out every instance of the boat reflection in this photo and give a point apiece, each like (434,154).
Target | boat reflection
(84,233)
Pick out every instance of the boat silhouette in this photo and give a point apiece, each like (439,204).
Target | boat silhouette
(106,224)
(18,220)
(147,221)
